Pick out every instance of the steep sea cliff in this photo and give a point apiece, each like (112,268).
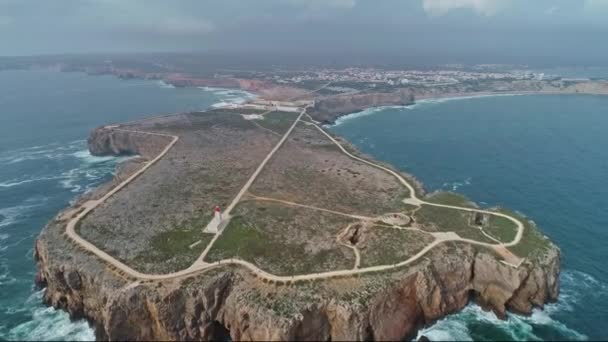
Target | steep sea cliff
(383,306)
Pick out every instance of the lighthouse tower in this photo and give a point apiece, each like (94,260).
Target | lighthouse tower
(214,225)
(217,213)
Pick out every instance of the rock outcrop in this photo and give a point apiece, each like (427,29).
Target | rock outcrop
(106,141)
(328,109)
(231,301)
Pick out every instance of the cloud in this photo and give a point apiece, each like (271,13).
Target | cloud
(551,10)
(5,21)
(319,4)
(175,26)
(481,7)
(596,5)
(153,17)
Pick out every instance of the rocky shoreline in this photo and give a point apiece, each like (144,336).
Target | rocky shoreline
(232,301)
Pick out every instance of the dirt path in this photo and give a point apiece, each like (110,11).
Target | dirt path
(200,266)
(245,188)
(268,199)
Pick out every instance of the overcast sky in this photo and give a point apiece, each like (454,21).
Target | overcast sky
(572,31)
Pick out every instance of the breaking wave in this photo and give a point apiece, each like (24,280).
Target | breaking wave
(49,152)
(473,323)
(366,112)
(229,96)
(85,172)
(17,182)
(453,186)
(12,215)
(165,85)
(47,323)
(374,110)
(431,101)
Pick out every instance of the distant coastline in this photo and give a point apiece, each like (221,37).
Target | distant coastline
(453,96)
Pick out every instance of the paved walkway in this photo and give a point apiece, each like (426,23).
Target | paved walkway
(201,266)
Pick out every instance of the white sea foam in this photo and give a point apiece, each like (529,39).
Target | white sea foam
(165,85)
(229,96)
(458,98)
(366,112)
(456,185)
(419,103)
(88,158)
(16,182)
(575,285)
(47,323)
(12,215)
(50,151)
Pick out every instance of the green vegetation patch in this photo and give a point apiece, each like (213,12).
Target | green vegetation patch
(438,219)
(388,246)
(278,122)
(215,118)
(450,198)
(170,251)
(501,228)
(533,243)
(284,240)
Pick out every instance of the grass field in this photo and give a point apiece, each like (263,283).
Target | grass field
(170,251)
(387,246)
(278,122)
(533,243)
(284,240)
(501,228)
(450,198)
(449,220)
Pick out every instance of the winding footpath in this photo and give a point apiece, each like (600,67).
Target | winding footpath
(200,265)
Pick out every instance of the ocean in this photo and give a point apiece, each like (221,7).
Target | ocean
(542,155)
(45,118)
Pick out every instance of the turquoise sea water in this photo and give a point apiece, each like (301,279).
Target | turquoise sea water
(545,156)
(45,118)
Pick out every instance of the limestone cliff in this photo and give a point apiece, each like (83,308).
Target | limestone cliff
(328,109)
(105,141)
(229,300)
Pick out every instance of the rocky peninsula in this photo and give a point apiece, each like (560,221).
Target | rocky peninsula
(324,244)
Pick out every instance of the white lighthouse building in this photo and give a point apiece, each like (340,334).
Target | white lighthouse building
(214,225)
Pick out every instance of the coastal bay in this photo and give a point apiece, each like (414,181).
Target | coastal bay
(533,153)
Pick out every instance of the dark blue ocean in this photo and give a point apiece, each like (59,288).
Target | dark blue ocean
(45,118)
(543,155)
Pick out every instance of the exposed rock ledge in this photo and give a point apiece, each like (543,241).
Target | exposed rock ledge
(388,306)
(105,141)
(328,109)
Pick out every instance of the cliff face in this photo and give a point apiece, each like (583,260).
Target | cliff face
(330,108)
(230,301)
(212,305)
(105,141)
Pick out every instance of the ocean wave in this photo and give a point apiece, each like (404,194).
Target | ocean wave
(88,158)
(12,215)
(439,100)
(366,112)
(51,151)
(16,182)
(453,186)
(47,323)
(91,168)
(473,323)
(229,96)
(165,85)
(417,104)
